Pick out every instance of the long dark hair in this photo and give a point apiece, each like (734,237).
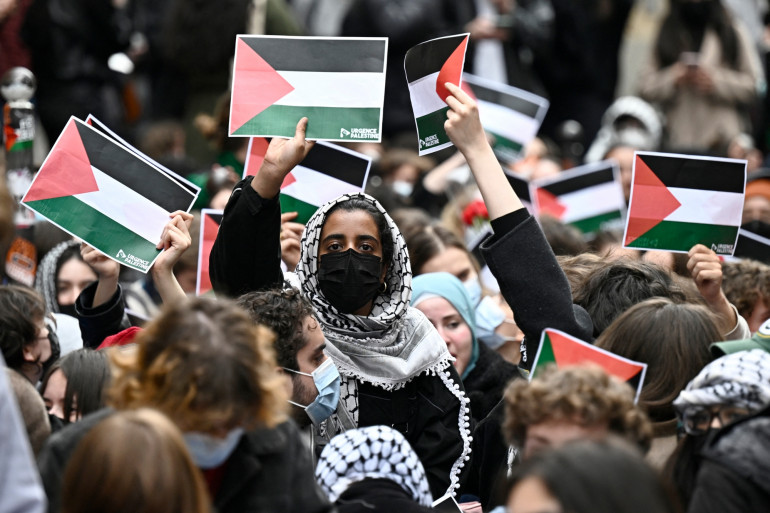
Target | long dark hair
(677,35)
(87,372)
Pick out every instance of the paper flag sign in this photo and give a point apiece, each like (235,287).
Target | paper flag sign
(255,155)
(98,125)
(428,67)
(512,116)
(327,172)
(678,201)
(588,197)
(753,246)
(210,221)
(337,83)
(94,188)
(556,347)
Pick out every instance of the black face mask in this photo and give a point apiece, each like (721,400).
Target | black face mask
(696,14)
(68,310)
(761,228)
(349,279)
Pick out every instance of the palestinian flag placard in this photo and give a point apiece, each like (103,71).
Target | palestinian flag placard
(428,67)
(337,83)
(512,116)
(678,201)
(752,246)
(327,172)
(210,221)
(255,155)
(521,187)
(94,188)
(98,125)
(556,347)
(589,197)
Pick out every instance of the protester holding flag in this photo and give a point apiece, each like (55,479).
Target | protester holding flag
(673,340)
(354,269)
(445,301)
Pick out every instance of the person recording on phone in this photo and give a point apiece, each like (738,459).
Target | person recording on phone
(703,73)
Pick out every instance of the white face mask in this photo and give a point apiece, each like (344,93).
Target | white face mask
(402,188)
(209,451)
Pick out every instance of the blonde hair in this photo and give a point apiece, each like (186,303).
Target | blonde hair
(133,461)
(586,395)
(206,365)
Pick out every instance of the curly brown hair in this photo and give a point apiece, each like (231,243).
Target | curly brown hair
(746,282)
(586,395)
(206,365)
(284,311)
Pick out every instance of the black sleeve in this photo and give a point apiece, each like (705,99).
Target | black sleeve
(533,283)
(247,252)
(98,323)
(719,489)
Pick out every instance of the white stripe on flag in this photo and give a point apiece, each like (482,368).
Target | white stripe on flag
(321,89)
(593,201)
(126,207)
(316,188)
(508,123)
(425,100)
(707,207)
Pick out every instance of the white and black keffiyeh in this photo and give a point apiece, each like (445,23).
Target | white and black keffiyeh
(395,342)
(45,278)
(375,452)
(739,379)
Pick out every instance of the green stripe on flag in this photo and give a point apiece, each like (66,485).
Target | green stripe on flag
(328,122)
(291,204)
(676,236)
(545,357)
(98,230)
(596,223)
(21,145)
(430,125)
(508,144)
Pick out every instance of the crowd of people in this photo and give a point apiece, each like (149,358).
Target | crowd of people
(379,357)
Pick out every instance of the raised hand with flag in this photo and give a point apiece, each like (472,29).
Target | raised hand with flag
(518,255)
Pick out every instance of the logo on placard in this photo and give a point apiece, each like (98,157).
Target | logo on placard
(344,133)
(722,249)
(429,141)
(764,330)
(360,133)
(121,254)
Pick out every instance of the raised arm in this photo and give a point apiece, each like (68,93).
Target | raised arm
(175,240)
(247,254)
(518,255)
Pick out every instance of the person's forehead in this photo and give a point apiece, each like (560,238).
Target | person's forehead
(350,223)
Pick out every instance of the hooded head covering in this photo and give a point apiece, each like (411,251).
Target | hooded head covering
(395,342)
(739,379)
(447,286)
(375,452)
(45,280)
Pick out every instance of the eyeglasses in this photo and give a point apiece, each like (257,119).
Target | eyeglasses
(697,420)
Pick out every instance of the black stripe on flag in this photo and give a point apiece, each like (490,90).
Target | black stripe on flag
(516,103)
(751,245)
(430,56)
(318,54)
(115,161)
(693,173)
(520,187)
(582,181)
(339,164)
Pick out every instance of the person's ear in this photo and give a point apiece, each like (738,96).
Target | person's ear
(27,353)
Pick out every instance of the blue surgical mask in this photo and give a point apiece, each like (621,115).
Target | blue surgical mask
(488,317)
(209,451)
(473,288)
(327,381)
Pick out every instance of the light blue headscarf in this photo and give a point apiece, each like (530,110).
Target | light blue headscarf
(447,286)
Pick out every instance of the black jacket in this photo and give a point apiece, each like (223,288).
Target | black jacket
(246,257)
(98,323)
(733,475)
(485,384)
(269,472)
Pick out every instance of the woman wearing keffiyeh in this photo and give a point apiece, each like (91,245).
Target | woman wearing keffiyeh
(354,268)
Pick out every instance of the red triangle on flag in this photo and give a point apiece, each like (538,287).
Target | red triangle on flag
(255,157)
(452,70)
(570,351)
(288,180)
(651,202)
(66,171)
(256,86)
(465,86)
(548,203)
(209,232)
